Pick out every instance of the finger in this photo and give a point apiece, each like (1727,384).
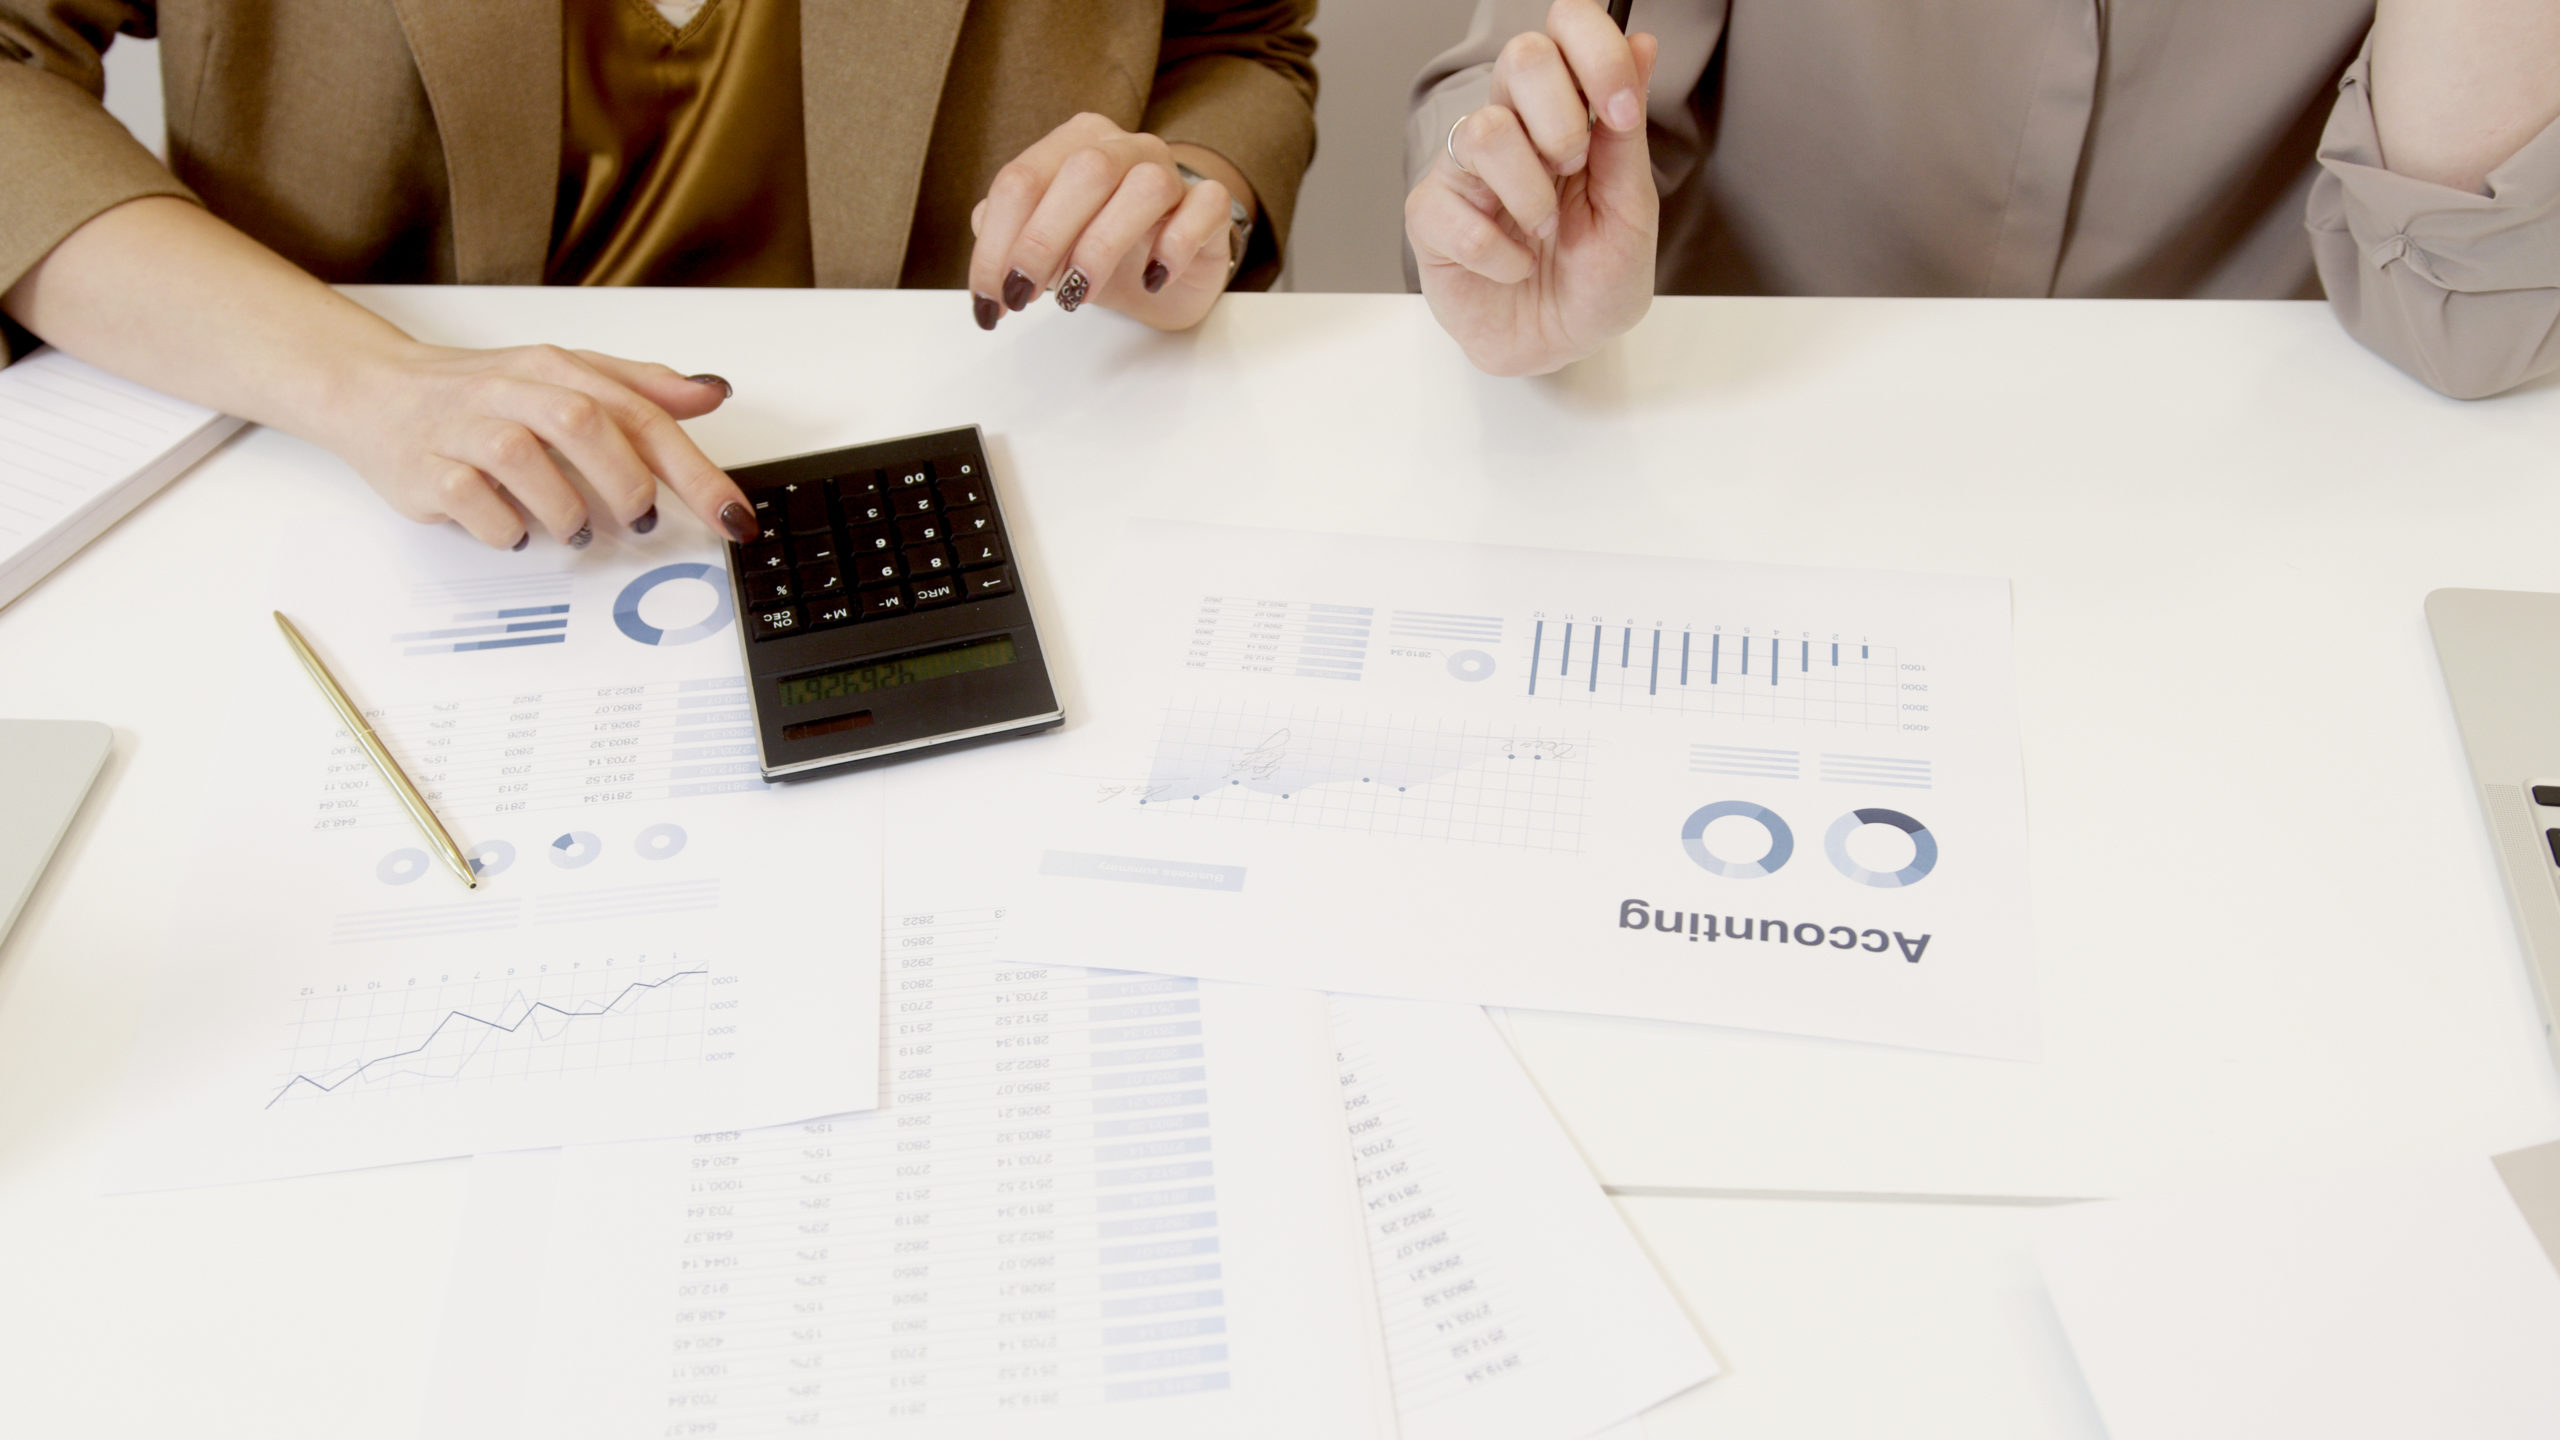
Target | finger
(513,456)
(1492,144)
(1196,236)
(1447,230)
(1621,182)
(1084,183)
(464,496)
(1531,80)
(1147,194)
(635,395)
(1602,64)
(587,430)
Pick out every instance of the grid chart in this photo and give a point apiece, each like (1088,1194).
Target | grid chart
(1690,672)
(490,614)
(1463,780)
(1029,1223)
(1451,1325)
(553,1019)
(504,755)
(1279,637)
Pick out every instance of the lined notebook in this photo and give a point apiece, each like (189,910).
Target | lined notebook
(79,449)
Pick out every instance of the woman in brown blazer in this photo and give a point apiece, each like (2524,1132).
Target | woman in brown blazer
(1142,155)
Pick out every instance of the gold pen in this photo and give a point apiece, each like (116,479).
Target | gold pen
(382,760)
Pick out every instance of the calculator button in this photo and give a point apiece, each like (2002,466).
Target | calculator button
(860,485)
(922,530)
(956,493)
(838,611)
(805,505)
(985,550)
(930,593)
(925,560)
(891,600)
(821,581)
(815,550)
(983,583)
(956,467)
(866,510)
(877,538)
(772,620)
(768,587)
(878,569)
(764,557)
(915,502)
(976,520)
(909,476)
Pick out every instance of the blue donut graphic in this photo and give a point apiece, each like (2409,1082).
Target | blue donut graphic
(1693,838)
(626,606)
(1924,849)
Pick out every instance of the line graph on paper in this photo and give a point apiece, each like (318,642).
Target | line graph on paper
(1826,679)
(560,1019)
(1471,781)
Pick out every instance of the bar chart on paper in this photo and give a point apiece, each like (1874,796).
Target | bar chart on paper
(1690,670)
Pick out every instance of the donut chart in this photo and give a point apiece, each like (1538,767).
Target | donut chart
(1693,838)
(401,866)
(1924,848)
(626,606)
(490,858)
(1471,665)
(575,849)
(659,842)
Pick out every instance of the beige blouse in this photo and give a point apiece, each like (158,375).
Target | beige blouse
(2084,148)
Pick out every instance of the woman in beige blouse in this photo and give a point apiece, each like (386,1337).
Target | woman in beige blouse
(2402,157)
(1134,155)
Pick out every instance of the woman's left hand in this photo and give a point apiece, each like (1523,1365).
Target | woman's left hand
(1100,215)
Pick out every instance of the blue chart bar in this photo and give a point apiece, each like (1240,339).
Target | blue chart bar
(1835,654)
(1774,662)
(510,643)
(461,630)
(1626,644)
(1537,637)
(1862,652)
(1804,656)
(518,613)
(1715,656)
(1746,654)
(1653,672)
(1565,667)
(1684,657)
(1595,660)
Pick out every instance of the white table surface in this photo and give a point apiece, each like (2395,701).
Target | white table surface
(2269,930)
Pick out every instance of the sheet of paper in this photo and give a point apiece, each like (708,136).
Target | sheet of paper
(1092,1204)
(1517,1305)
(78,449)
(1743,795)
(2408,1300)
(660,942)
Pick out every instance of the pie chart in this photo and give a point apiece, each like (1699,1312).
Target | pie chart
(626,606)
(576,848)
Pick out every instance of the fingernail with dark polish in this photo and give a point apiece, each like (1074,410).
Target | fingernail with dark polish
(739,522)
(522,541)
(1072,290)
(1018,289)
(647,522)
(1155,276)
(579,541)
(726,389)
(986,309)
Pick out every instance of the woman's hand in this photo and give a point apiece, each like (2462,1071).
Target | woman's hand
(1534,230)
(475,437)
(1100,214)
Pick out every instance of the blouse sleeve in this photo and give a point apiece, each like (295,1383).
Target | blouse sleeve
(1240,79)
(63,158)
(2460,290)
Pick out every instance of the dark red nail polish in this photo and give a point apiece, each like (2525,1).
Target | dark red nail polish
(1155,276)
(739,522)
(586,535)
(1073,289)
(726,389)
(522,541)
(1018,289)
(647,522)
(986,309)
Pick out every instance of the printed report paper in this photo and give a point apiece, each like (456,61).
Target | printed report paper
(1091,1205)
(1787,799)
(660,942)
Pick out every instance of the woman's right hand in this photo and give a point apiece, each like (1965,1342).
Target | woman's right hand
(1538,249)
(474,437)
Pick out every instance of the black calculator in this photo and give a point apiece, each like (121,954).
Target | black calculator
(881,606)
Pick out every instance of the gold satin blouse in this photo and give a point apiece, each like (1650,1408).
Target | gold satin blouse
(682,157)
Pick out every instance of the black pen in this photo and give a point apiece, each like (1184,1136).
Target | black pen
(1618,13)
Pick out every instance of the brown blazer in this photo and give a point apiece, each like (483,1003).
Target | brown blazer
(419,140)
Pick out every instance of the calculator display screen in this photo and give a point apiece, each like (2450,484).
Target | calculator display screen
(904,670)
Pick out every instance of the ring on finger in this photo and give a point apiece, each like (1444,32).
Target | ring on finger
(1450,144)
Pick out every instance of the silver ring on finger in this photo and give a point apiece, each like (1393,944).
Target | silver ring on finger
(1450,143)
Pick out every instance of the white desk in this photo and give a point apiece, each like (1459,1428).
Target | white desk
(2269,930)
